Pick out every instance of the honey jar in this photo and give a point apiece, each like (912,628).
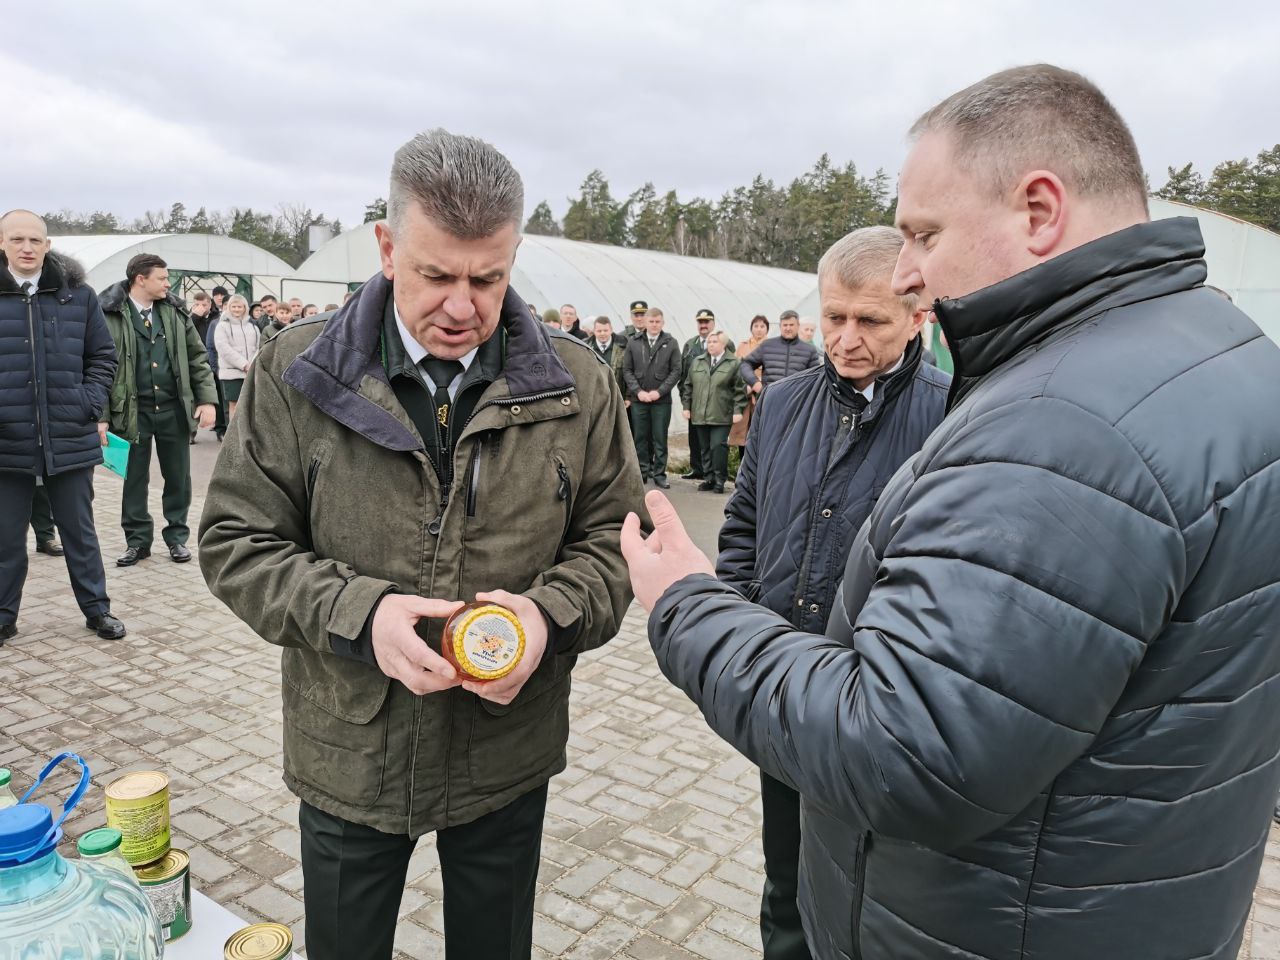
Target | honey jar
(483,641)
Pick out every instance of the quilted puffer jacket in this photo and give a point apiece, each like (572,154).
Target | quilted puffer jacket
(1045,719)
(56,366)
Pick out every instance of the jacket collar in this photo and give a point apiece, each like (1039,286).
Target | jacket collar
(888,385)
(330,371)
(58,274)
(115,298)
(990,326)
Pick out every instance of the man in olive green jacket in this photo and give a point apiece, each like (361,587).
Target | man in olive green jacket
(163,389)
(713,401)
(365,487)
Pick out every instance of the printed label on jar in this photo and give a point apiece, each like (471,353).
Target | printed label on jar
(490,643)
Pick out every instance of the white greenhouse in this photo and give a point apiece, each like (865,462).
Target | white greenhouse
(595,278)
(197,261)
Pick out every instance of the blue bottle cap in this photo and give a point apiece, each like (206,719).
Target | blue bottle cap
(26,833)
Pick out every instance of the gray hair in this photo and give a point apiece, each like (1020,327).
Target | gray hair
(464,185)
(1040,117)
(862,257)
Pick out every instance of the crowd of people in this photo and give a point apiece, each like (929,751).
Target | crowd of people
(1002,646)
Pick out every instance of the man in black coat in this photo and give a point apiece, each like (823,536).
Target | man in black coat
(1044,720)
(651,370)
(780,356)
(822,446)
(53,391)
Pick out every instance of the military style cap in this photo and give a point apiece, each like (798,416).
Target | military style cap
(638,306)
(705,314)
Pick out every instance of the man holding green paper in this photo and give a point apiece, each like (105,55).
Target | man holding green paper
(163,390)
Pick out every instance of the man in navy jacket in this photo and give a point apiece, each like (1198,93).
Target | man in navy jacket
(55,373)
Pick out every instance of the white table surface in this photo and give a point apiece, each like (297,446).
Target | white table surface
(211,924)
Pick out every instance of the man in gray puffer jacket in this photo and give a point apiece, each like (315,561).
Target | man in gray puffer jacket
(1045,719)
(781,356)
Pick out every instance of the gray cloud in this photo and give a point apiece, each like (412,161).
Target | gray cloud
(136,104)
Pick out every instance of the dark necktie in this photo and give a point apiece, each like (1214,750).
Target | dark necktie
(26,288)
(442,373)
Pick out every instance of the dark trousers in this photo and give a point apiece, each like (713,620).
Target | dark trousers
(696,453)
(41,514)
(713,445)
(353,878)
(220,422)
(169,429)
(779,910)
(649,423)
(71,499)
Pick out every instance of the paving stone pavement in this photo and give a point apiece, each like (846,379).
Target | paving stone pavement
(651,850)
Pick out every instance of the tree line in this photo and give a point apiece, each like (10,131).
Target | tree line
(284,233)
(762,222)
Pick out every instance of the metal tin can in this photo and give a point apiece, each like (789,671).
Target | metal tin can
(484,641)
(138,806)
(167,884)
(261,941)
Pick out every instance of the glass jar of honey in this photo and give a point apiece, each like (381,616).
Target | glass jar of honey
(483,641)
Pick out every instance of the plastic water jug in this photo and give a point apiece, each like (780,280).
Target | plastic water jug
(57,909)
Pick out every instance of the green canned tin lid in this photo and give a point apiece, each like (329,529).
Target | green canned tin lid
(97,842)
(4,777)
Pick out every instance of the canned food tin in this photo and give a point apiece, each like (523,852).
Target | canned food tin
(138,806)
(261,941)
(167,884)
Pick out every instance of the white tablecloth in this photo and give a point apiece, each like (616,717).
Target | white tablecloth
(211,925)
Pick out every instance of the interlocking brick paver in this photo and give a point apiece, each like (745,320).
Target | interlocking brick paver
(651,848)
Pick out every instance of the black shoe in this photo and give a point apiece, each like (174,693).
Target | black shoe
(718,488)
(179,553)
(132,556)
(706,484)
(662,482)
(107,626)
(693,475)
(7,632)
(49,547)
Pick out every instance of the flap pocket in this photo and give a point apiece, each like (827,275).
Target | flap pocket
(353,694)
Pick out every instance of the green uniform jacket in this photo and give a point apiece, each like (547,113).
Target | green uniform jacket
(712,397)
(324,499)
(186,355)
(617,350)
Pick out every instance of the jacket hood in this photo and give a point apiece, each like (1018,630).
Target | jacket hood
(329,371)
(113,297)
(60,272)
(991,325)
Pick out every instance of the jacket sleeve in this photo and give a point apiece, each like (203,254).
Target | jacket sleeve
(630,376)
(686,387)
(254,534)
(99,359)
(230,356)
(586,594)
(1016,594)
(672,377)
(747,368)
(203,389)
(736,564)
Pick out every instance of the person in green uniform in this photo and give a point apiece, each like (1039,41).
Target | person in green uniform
(163,389)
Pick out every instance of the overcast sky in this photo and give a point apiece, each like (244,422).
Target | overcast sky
(129,106)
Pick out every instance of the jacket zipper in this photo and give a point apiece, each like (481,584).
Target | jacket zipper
(474,477)
(35,372)
(860,883)
(563,493)
(312,472)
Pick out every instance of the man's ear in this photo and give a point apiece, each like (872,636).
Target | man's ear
(386,246)
(1041,198)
